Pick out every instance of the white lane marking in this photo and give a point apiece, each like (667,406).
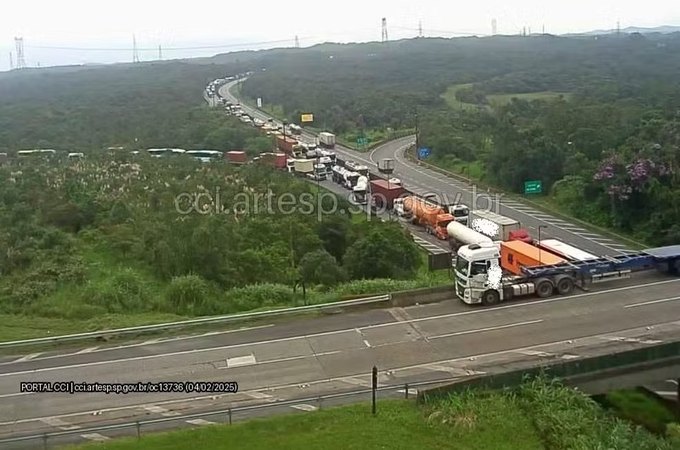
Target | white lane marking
(529,303)
(247,360)
(259,395)
(200,422)
(181,338)
(304,407)
(631,340)
(652,302)
(27,357)
(160,410)
(535,353)
(481,330)
(366,343)
(672,394)
(675,382)
(347,379)
(410,391)
(85,350)
(292,358)
(58,423)
(94,437)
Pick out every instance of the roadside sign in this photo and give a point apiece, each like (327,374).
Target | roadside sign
(424,152)
(307,118)
(533,187)
(259,102)
(362,141)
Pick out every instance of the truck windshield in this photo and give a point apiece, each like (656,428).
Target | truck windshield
(462,265)
(461,212)
(478,268)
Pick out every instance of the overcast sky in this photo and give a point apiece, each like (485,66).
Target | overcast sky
(259,24)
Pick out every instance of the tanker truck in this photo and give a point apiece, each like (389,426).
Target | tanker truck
(433,218)
(460,235)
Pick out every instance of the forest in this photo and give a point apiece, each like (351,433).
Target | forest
(593,118)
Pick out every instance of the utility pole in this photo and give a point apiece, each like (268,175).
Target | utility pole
(297,42)
(420,28)
(135,53)
(417,136)
(160,52)
(11,61)
(384,29)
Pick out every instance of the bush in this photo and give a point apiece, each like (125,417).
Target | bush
(257,296)
(189,294)
(124,292)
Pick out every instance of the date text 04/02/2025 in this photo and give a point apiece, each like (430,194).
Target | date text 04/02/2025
(73,387)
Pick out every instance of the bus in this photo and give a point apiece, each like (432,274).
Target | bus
(160,152)
(38,152)
(565,251)
(206,155)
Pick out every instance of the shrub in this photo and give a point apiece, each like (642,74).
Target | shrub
(189,294)
(125,291)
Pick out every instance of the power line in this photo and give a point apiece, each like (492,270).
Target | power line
(123,49)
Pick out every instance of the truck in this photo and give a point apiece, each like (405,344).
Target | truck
(286,144)
(356,167)
(319,172)
(484,274)
(563,250)
(502,225)
(386,165)
(360,191)
(460,235)
(276,160)
(326,140)
(304,167)
(236,157)
(434,219)
(383,193)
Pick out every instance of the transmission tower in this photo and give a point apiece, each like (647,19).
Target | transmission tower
(384,30)
(494,27)
(135,52)
(11,61)
(297,42)
(420,28)
(21,61)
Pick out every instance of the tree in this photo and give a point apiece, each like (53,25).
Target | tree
(320,267)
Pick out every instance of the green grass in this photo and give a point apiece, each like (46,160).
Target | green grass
(502,99)
(399,424)
(450,97)
(641,408)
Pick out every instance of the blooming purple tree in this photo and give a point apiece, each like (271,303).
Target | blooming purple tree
(622,179)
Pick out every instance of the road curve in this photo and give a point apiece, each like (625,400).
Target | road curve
(330,354)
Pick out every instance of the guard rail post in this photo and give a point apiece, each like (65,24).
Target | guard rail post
(406,391)
(45,440)
(139,430)
(229,413)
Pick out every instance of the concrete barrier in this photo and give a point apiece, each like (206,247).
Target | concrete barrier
(421,296)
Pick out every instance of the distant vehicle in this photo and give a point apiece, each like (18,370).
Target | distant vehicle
(162,152)
(76,155)
(206,155)
(326,140)
(37,152)
(295,129)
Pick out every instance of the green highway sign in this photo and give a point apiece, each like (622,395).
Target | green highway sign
(362,141)
(533,187)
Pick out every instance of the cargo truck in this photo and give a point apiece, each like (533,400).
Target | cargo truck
(487,274)
(326,140)
(319,172)
(236,157)
(360,191)
(460,235)
(286,144)
(563,250)
(383,193)
(479,221)
(304,167)
(434,219)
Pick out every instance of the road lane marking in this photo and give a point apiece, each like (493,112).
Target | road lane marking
(140,344)
(631,340)
(160,410)
(291,358)
(304,407)
(482,330)
(27,357)
(347,379)
(86,350)
(200,422)
(58,423)
(492,310)
(675,382)
(410,391)
(239,361)
(259,395)
(652,302)
(94,437)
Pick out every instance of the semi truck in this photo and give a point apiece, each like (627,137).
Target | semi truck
(303,167)
(383,193)
(236,157)
(434,219)
(486,221)
(460,235)
(360,191)
(286,144)
(356,167)
(318,172)
(326,140)
(563,250)
(276,160)
(487,273)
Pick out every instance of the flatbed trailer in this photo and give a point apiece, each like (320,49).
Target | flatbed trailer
(474,284)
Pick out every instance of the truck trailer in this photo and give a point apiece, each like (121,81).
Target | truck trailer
(434,219)
(481,220)
(304,167)
(383,193)
(460,235)
(286,144)
(326,140)
(484,275)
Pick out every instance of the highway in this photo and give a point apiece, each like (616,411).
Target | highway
(422,180)
(310,357)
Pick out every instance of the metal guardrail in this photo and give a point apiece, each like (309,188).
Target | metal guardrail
(229,412)
(201,321)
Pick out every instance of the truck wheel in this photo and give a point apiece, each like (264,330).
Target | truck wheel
(565,286)
(544,288)
(490,298)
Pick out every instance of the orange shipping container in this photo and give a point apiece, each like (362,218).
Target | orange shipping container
(236,157)
(518,254)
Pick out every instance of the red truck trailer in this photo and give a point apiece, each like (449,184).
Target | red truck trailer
(286,145)
(384,193)
(236,157)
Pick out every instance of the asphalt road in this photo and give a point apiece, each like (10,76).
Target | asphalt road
(307,358)
(422,180)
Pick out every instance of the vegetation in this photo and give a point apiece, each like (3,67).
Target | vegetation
(117,235)
(640,407)
(594,118)
(538,415)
